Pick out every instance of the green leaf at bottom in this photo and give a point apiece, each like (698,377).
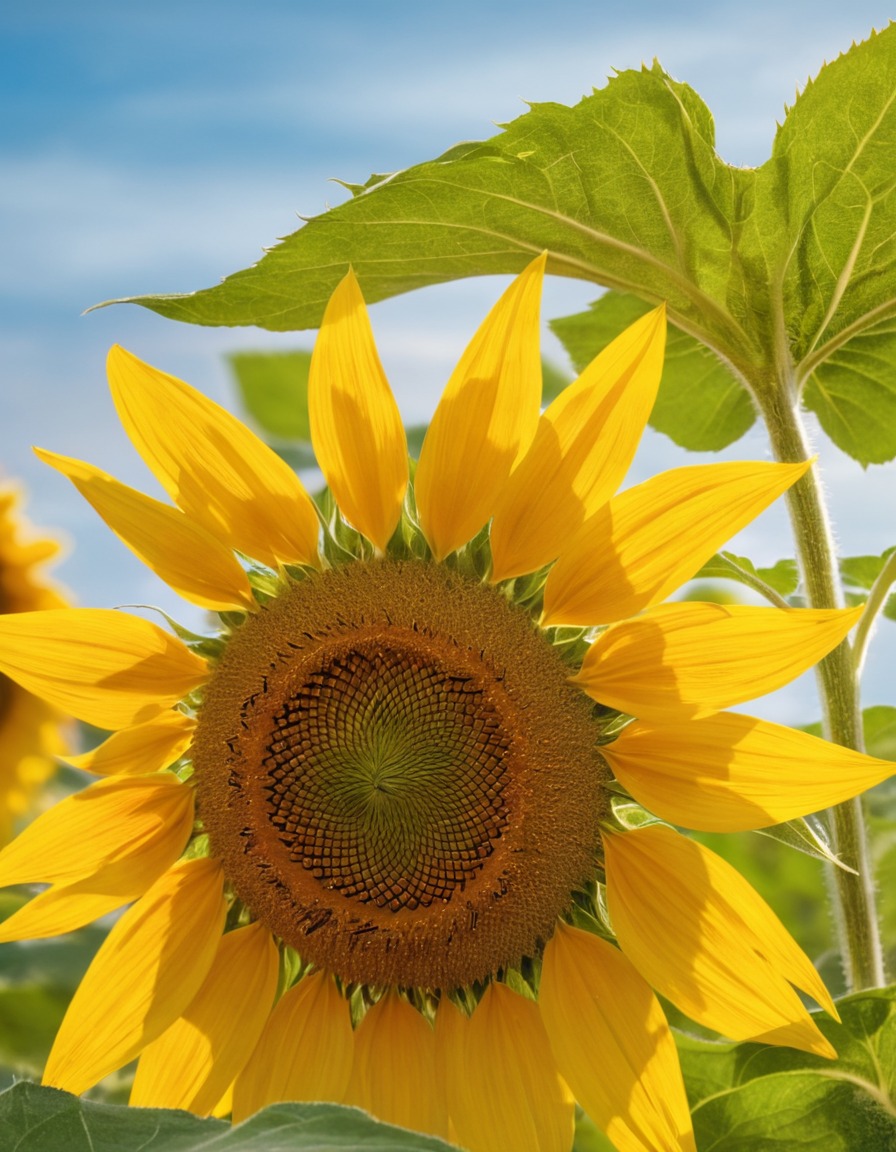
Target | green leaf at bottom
(753,1098)
(34,1119)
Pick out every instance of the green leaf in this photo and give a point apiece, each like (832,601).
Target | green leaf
(274,389)
(806,834)
(880,731)
(701,405)
(786,272)
(753,1098)
(34,1119)
(623,189)
(859,574)
(850,390)
(832,174)
(782,577)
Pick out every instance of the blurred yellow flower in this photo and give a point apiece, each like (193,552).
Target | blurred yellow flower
(406,745)
(31,735)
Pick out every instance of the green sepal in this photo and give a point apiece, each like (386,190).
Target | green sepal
(806,834)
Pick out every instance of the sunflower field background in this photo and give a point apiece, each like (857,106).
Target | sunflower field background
(780,284)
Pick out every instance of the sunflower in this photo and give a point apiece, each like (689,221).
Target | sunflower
(31,734)
(400,832)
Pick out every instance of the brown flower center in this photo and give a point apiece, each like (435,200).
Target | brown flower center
(398,775)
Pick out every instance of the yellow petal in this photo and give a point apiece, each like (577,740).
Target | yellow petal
(485,420)
(652,538)
(305,1051)
(582,450)
(394,1071)
(63,908)
(212,466)
(146,972)
(196,564)
(109,821)
(140,749)
(193,1062)
(125,875)
(225,1105)
(697,931)
(32,736)
(729,772)
(103,847)
(613,1045)
(501,1079)
(356,428)
(97,664)
(683,660)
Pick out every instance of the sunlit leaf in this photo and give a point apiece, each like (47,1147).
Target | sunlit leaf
(782,577)
(751,1098)
(850,389)
(626,190)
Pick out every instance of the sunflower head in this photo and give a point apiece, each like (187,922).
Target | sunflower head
(393,832)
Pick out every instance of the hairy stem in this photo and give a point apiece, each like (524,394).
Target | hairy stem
(853,895)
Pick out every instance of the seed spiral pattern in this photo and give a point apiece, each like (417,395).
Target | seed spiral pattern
(387,778)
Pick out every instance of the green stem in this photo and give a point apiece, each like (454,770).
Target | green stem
(853,895)
(877,599)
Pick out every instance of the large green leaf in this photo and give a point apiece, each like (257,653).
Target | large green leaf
(787,272)
(625,188)
(34,1119)
(752,1098)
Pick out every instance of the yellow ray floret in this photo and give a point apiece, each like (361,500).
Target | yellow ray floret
(650,539)
(356,428)
(684,660)
(318,1067)
(212,466)
(501,1080)
(394,1070)
(195,1060)
(111,820)
(146,972)
(108,846)
(140,749)
(583,447)
(192,561)
(700,934)
(485,419)
(730,773)
(612,1044)
(103,666)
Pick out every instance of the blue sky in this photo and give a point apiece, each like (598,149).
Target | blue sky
(159,148)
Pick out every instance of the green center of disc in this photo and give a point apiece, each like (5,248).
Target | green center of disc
(386,777)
